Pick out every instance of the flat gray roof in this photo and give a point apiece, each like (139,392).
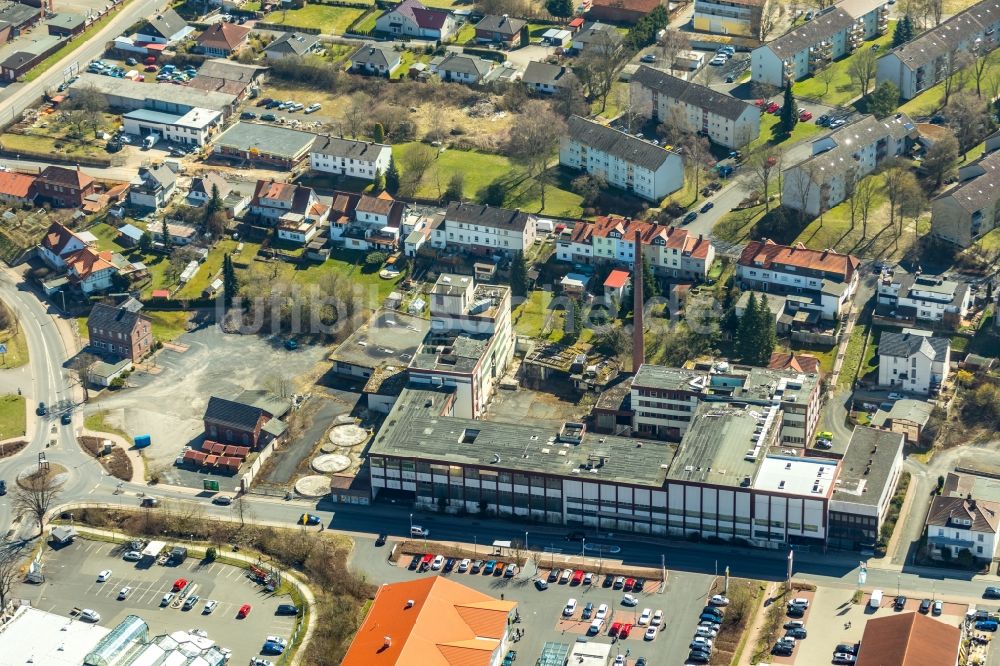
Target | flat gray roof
(734,383)
(167,92)
(714,448)
(389,338)
(268,139)
(460,354)
(415,429)
(865,468)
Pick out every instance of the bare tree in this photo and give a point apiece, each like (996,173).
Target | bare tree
(35,495)
(862,69)
(672,44)
(80,368)
(760,169)
(569,99)
(84,111)
(865,191)
(535,139)
(956,59)
(801,183)
(242,510)
(415,163)
(932,11)
(981,58)
(895,185)
(851,180)
(940,158)
(769,17)
(10,571)
(697,154)
(601,64)
(356,114)
(826,77)
(969,119)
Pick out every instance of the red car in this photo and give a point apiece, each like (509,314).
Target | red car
(180,584)
(615,628)
(761,103)
(244,611)
(425,562)
(626,630)
(772,108)
(629,583)
(150,68)
(804,116)
(577,577)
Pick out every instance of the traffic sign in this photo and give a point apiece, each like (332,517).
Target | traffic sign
(3,349)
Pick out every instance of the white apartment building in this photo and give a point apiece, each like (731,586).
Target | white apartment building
(670,251)
(834,32)
(922,298)
(914,361)
(957,523)
(470,343)
(193,128)
(624,161)
(828,277)
(483,229)
(694,108)
(357,159)
(842,158)
(927,58)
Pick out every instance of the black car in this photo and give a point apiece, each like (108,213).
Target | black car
(248,115)
(380,541)
(264,102)
(992,593)
(41,410)
(823,120)
(797,632)
(638,584)
(269,117)
(414,563)
(699,657)
(450,564)
(273,104)
(707,207)
(782,650)
(3,487)
(113,146)
(575,536)
(847,648)
(541,585)
(66,418)
(796,611)
(588,611)
(609,580)
(287,609)
(899,602)
(925,606)
(712,610)
(689,218)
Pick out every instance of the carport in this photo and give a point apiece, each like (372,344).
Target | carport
(153,550)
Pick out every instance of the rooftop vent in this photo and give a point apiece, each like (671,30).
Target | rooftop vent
(469,436)
(409,603)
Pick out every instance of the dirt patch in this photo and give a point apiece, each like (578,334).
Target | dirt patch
(11,448)
(117,463)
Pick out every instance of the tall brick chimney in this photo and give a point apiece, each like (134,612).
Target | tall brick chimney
(638,344)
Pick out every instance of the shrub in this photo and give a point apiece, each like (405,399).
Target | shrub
(211,554)
(376,258)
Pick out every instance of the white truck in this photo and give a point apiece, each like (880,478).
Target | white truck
(876,601)
(150,140)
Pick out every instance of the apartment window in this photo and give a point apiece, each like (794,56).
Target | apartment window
(979,538)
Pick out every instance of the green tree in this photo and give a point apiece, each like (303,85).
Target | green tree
(519,275)
(378,133)
(215,203)
(765,332)
(230,285)
(456,186)
(378,181)
(525,36)
(789,111)
(573,324)
(650,286)
(559,8)
(746,334)
(167,243)
(883,100)
(494,194)
(376,258)
(145,242)
(903,32)
(392,177)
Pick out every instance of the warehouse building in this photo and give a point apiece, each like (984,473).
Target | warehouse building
(125,95)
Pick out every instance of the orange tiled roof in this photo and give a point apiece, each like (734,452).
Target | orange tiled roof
(448,624)
(15,184)
(909,639)
(57,238)
(224,36)
(766,253)
(625,227)
(798,362)
(87,261)
(617,279)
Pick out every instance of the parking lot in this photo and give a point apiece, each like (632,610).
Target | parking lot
(71,582)
(541,612)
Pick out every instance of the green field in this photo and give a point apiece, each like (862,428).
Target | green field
(931,99)
(45,145)
(770,133)
(481,169)
(842,88)
(97,422)
(168,326)
(330,20)
(12,416)
(17,349)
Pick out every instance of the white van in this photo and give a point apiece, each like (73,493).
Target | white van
(418,531)
(595,627)
(876,600)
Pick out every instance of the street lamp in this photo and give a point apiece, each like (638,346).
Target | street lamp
(411,524)
(583,548)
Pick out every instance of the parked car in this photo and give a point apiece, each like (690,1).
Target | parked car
(629,600)
(588,579)
(464,565)
(103,576)
(626,630)
(609,580)
(477,566)
(269,117)
(313,108)
(244,611)
(794,624)
(510,571)
(212,603)
(843,658)
(191,601)
(846,648)
(992,592)
(437,562)
(649,57)
(627,585)
(554,575)
(541,585)
(698,642)
(264,101)
(309,519)
(925,606)
(132,556)
(718,600)
(167,598)
(651,633)
(938,607)
(689,218)
(771,107)
(805,116)
(616,628)
(706,632)
(577,577)
(657,618)
(415,562)
(699,657)
(588,611)
(248,115)
(124,592)
(899,603)
(222,500)
(569,608)
(986,625)
(836,122)
(565,576)
(90,615)
(895,396)
(499,568)
(798,633)
(449,564)
(41,409)
(638,584)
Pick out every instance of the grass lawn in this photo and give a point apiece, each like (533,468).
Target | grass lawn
(735,226)
(990,242)
(106,238)
(825,355)
(346,262)
(529,318)
(17,349)
(481,169)
(869,363)
(329,19)
(45,145)
(852,356)
(12,416)
(168,326)
(406,60)
(929,101)
(98,422)
(842,88)
(369,23)
(466,34)
(73,45)
(769,132)
(210,269)
(617,98)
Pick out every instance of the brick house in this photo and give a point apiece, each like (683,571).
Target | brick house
(64,188)
(120,331)
(252,420)
(222,39)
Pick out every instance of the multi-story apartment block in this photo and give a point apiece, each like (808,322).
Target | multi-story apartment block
(469,345)
(834,32)
(828,277)
(695,108)
(624,161)
(358,159)
(670,251)
(928,58)
(914,360)
(841,159)
(928,299)
(969,210)
(730,17)
(483,229)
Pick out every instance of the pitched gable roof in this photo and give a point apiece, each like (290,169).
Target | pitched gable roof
(432,622)
(546,74)
(366,151)
(429,19)
(203,184)
(619,144)
(66,177)
(694,94)
(799,362)
(376,55)
(909,639)
(84,263)
(231,413)
(167,23)
(768,254)
(821,28)
(488,216)
(905,345)
(223,36)
(13,184)
(58,237)
(501,24)
(466,64)
(649,233)
(298,196)
(983,515)
(122,318)
(296,43)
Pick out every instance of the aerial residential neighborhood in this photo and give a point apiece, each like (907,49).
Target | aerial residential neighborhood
(612,333)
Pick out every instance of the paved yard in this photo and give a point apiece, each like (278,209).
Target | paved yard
(541,612)
(71,582)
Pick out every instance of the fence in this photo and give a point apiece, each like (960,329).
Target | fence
(247,478)
(82,160)
(281,27)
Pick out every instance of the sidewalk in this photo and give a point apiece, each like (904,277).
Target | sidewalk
(138,462)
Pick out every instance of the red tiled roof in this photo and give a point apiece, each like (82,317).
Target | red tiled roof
(766,253)
(617,279)
(87,261)
(225,36)
(798,362)
(673,237)
(15,184)
(65,177)
(909,639)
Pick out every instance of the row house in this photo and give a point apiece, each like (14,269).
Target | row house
(623,161)
(344,157)
(841,159)
(294,210)
(695,108)
(928,58)
(672,252)
(828,277)
(483,229)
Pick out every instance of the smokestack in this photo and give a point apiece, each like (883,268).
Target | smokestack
(638,344)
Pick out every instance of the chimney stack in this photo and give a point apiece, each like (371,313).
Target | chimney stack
(638,344)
